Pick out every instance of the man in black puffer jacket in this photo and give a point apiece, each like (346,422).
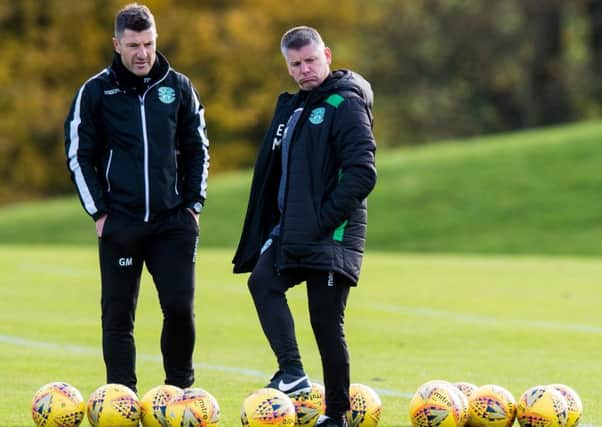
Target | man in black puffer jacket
(307,213)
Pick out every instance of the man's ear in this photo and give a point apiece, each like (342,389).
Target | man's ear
(328,55)
(116,45)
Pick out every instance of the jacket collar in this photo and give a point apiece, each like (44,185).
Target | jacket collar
(129,82)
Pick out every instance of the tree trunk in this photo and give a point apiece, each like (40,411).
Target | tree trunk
(594,13)
(548,101)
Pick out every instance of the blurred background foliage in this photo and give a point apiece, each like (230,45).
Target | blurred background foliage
(439,68)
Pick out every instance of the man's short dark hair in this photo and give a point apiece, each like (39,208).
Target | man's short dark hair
(298,37)
(135,17)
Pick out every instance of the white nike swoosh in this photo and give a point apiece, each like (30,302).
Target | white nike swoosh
(282,386)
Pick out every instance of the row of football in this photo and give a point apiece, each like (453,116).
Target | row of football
(439,403)
(436,403)
(59,404)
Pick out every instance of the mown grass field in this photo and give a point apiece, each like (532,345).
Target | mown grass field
(512,321)
(483,265)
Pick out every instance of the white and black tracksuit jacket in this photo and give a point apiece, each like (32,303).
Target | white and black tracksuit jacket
(137,149)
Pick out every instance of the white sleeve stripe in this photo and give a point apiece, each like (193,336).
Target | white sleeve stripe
(74,166)
(205,146)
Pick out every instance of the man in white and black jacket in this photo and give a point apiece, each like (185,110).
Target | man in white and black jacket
(307,213)
(137,150)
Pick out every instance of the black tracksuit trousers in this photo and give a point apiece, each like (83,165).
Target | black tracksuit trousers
(168,248)
(326,300)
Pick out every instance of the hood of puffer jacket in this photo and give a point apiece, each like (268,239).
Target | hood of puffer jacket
(348,80)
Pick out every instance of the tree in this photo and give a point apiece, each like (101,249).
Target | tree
(548,101)
(594,12)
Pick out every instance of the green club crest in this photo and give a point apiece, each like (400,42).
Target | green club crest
(317,115)
(167,95)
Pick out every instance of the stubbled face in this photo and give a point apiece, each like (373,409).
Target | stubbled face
(308,66)
(138,50)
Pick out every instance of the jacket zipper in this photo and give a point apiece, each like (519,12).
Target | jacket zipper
(277,248)
(145,142)
(108,168)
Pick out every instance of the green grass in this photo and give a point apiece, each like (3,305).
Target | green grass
(512,321)
(534,192)
(527,192)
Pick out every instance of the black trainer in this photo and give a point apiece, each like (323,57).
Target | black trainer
(290,384)
(325,421)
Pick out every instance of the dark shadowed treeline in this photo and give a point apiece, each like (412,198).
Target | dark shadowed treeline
(439,69)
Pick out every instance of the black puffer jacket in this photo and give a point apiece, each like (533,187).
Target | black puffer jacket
(331,171)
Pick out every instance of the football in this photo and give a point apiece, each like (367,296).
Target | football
(466,388)
(366,406)
(491,406)
(436,404)
(309,405)
(153,405)
(57,404)
(113,405)
(542,406)
(463,402)
(194,407)
(268,407)
(574,404)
